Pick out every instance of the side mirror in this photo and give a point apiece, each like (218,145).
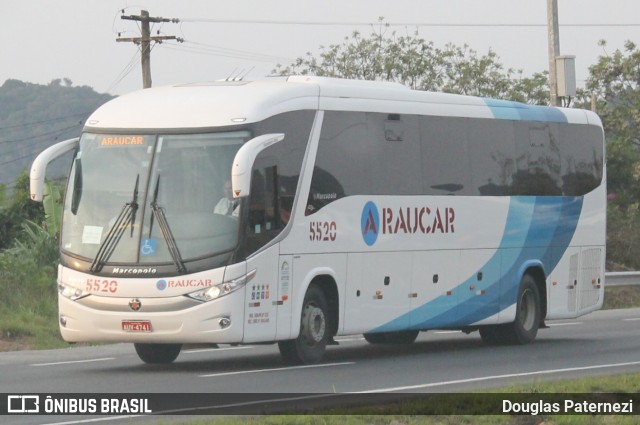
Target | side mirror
(39,166)
(244,159)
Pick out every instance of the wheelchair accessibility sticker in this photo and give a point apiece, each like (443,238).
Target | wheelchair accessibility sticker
(148,247)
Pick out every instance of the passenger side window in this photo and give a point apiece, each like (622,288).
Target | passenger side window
(342,163)
(446,167)
(393,146)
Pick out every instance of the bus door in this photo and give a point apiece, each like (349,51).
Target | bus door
(263,224)
(261,297)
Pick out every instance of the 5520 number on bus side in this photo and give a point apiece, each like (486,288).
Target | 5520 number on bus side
(323,231)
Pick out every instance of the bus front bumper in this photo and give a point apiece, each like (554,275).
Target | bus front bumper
(152,320)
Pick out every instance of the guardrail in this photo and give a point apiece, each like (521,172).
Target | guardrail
(621,279)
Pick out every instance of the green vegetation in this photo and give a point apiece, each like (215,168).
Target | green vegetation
(417,412)
(415,62)
(28,300)
(28,236)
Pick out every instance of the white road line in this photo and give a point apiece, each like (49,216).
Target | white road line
(196,409)
(495,377)
(631,319)
(242,372)
(349,339)
(564,324)
(205,350)
(73,361)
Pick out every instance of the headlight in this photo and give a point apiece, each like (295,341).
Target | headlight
(71,292)
(222,289)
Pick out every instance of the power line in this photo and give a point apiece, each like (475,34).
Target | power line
(410,24)
(145,40)
(10,127)
(35,150)
(125,71)
(42,135)
(205,49)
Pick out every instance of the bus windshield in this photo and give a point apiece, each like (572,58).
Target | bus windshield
(147,199)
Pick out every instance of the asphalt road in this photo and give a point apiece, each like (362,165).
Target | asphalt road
(602,343)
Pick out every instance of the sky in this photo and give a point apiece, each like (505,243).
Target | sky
(43,40)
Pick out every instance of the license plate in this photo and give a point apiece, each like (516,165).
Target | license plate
(136,326)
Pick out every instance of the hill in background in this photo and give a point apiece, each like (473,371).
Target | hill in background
(34,117)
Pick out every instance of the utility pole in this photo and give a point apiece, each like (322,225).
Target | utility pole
(554,48)
(145,40)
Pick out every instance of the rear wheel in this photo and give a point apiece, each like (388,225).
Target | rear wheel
(402,337)
(158,353)
(378,338)
(491,335)
(311,343)
(524,329)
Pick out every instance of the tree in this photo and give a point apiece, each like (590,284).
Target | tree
(417,63)
(613,87)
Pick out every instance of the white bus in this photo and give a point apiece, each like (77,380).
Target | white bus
(356,208)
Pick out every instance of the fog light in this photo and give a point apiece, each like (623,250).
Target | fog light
(225,322)
(63,321)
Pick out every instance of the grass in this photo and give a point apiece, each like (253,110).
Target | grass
(621,297)
(416,412)
(28,320)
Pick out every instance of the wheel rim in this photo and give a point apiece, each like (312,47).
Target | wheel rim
(527,310)
(315,324)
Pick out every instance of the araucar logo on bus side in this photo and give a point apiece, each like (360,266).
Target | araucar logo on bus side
(406,220)
(370,223)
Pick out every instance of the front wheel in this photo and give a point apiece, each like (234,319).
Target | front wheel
(157,353)
(311,343)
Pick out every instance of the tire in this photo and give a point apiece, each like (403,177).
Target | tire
(400,337)
(158,353)
(524,329)
(310,345)
(491,335)
(378,338)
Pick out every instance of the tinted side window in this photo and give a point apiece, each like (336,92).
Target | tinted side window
(492,156)
(342,164)
(445,156)
(394,152)
(582,158)
(538,159)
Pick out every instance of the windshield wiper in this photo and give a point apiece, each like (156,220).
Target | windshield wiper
(158,213)
(126,217)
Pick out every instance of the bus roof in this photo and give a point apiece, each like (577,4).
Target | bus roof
(225,103)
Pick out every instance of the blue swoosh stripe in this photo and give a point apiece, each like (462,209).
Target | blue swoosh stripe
(508,110)
(538,229)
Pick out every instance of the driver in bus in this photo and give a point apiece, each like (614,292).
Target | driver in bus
(227,205)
